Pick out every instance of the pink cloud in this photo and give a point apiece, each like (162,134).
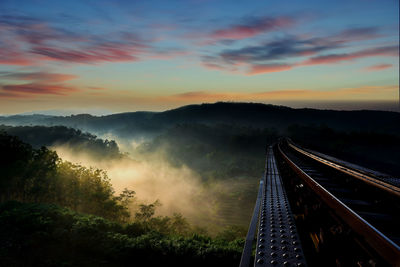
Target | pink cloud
(11,54)
(251,28)
(37,88)
(36,83)
(236,32)
(336,58)
(39,76)
(15,61)
(378,67)
(267,68)
(28,41)
(164,55)
(99,53)
(212,66)
(215,66)
(9,95)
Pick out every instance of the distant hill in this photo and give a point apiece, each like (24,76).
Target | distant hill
(241,114)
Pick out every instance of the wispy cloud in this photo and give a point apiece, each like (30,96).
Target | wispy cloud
(357,34)
(281,49)
(37,88)
(37,76)
(30,41)
(335,58)
(298,94)
(35,83)
(378,67)
(279,55)
(27,40)
(263,58)
(105,52)
(329,59)
(258,69)
(12,54)
(251,27)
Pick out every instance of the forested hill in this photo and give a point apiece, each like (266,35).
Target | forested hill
(244,114)
(76,140)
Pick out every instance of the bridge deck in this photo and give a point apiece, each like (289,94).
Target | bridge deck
(277,240)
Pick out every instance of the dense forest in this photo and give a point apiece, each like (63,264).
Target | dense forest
(57,213)
(72,214)
(78,141)
(343,133)
(215,151)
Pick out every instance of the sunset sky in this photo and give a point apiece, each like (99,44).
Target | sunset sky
(114,56)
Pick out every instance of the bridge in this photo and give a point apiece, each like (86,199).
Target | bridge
(316,210)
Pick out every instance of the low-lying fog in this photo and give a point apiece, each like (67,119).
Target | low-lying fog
(152,177)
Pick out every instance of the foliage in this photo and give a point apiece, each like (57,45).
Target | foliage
(146,211)
(39,175)
(229,159)
(74,139)
(47,235)
(215,152)
(232,232)
(40,234)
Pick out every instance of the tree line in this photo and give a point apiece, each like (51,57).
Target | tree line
(55,213)
(39,175)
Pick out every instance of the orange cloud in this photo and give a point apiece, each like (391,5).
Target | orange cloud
(37,83)
(15,61)
(258,69)
(369,89)
(378,67)
(362,92)
(32,89)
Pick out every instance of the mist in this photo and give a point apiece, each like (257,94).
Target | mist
(179,189)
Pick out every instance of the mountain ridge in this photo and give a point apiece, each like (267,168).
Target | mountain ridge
(245,114)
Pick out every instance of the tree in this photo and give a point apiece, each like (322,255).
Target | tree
(146,211)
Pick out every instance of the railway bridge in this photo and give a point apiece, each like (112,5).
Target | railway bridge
(316,210)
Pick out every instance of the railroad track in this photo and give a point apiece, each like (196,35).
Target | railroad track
(368,205)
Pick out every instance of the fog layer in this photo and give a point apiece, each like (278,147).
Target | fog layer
(179,189)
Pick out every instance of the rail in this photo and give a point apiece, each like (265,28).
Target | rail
(245,260)
(376,239)
(354,173)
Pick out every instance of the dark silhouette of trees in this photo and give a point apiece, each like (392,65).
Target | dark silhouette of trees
(74,139)
(39,175)
(215,151)
(37,233)
(47,235)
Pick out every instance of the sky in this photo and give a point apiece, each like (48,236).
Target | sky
(113,56)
